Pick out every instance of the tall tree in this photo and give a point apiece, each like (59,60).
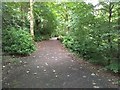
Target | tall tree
(31,19)
(118,55)
(110,11)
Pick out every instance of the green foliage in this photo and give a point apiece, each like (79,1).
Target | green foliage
(41,37)
(15,15)
(38,38)
(17,41)
(115,67)
(83,28)
(92,37)
(45,20)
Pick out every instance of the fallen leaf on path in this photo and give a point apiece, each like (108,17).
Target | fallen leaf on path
(53,70)
(20,61)
(13,56)
(44,70)
(46,64)
(114,83)
(72,60)
(96,87)
(25,62)
(109,80)
(84,76)
(35,73)
(3,66)
(56,75)
(93,74)
(27,71)
(52,57)
(24,65)
(68,75)
(93,83)
(38,66)
(98,70)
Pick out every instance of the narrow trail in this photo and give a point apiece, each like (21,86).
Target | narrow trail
(52,66)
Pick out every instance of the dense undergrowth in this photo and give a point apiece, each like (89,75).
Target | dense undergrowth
(17,41)
(89,51)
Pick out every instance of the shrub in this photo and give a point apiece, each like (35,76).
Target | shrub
(17,42)
(40,37)
(114,66)
(91,51)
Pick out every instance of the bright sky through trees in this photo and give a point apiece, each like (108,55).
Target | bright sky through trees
(94,2)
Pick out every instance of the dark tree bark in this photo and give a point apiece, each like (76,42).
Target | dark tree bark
(118,54)
(110,28)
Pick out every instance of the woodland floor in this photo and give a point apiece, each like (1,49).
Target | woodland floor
(53,66)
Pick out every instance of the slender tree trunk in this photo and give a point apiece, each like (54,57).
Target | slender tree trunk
(31,19)
(22,15)
(110,28)
(118,54)
(66,18)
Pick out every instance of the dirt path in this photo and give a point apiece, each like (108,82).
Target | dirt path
(52,66)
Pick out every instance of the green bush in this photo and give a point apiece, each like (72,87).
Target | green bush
(91,51)
(114,66)
(17,42)
(39,38)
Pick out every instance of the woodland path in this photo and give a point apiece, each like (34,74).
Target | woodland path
(53,66)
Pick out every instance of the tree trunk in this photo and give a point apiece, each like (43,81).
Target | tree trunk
(31,19)
(118,54)
(22,15)
(109,37)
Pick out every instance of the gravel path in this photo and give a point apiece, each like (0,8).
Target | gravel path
(52,66)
